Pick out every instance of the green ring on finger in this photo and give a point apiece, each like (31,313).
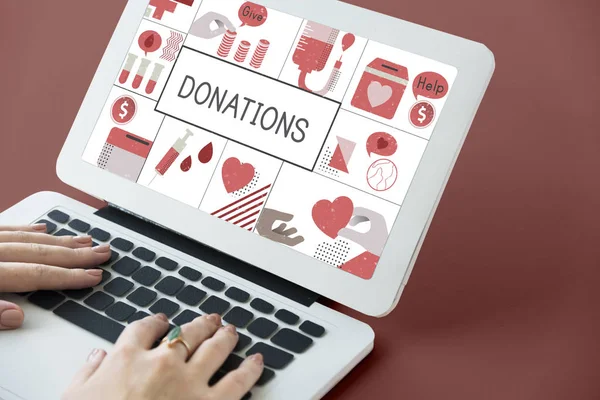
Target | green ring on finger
(175,336)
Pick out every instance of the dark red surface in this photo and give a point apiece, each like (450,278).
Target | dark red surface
(504,300)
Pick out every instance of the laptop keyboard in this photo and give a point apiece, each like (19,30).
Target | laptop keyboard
(134,285)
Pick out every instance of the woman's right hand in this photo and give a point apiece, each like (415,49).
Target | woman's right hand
(136,371)
(32,260)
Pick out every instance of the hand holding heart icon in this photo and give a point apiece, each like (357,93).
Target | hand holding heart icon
(331,217)
(372,241)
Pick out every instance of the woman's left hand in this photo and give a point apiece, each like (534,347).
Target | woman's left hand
(32,260)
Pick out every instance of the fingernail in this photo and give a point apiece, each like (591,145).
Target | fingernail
(11,318)
(257,359)
(162,316)
(231,329)
(82,239)
(94,272)
(93,354)
(216,318)
(105,248)
(39,227)
(96,355)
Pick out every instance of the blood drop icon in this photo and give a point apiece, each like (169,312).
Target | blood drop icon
(149,41)
(206,154)
(186,164)
(348,41)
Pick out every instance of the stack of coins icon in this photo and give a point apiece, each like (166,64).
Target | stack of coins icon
(259,53)
(226,44)
(242,51)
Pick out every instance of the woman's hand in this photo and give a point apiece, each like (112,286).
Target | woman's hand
(32,260)
(135,371)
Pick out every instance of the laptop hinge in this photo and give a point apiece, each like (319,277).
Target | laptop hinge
(208,254)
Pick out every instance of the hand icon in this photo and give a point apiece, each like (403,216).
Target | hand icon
(279,234)
(201,28)
(372,241)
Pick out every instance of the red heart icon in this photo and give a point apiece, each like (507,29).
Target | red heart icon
(330,217)
(382,143)
(236,175)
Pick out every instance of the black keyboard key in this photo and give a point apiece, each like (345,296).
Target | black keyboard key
(144,254)
(191,295)
(169,286)
(126,266)
(89,320)
(243,342)
(216,378)
(99,301)
(185,317)
(273,357)
(262,306)
(287,317)
(262,327)
(46,299)
(292,340)
(142,296)
(220,374)
(99,234)
(122,244)
(118,287)
(214,305)
(237,294)
(213,284)
(58,216)
(120,311)
(105,276)
(137,316)
(113,257)
(166,263)
(79,225)
(78,294)
(146,276)
(239,317)
(190,274)
(165,306)
(265,377)
(234,361)
(50,226)
(65,232)
(312,329)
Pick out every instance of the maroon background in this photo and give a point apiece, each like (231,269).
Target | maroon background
(504,299)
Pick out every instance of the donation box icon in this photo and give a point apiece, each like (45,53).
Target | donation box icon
(381,88)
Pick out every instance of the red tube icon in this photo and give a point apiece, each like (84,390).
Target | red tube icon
(174,152)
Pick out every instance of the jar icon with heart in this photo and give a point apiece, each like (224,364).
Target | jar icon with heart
(381,88)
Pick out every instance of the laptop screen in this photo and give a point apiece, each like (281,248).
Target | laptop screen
(301,133)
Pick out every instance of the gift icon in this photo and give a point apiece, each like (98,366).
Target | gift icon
(381,88)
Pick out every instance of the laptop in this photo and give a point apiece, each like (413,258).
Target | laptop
(254,158)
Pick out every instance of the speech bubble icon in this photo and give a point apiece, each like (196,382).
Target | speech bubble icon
(431,85)
(382,143)
(252,14)
(150,41)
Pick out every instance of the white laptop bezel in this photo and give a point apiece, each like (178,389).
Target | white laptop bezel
(377,296)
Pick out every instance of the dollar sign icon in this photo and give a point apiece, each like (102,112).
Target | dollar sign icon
(422,114)
(123,110)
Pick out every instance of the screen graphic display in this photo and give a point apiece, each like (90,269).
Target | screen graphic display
(286,128)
